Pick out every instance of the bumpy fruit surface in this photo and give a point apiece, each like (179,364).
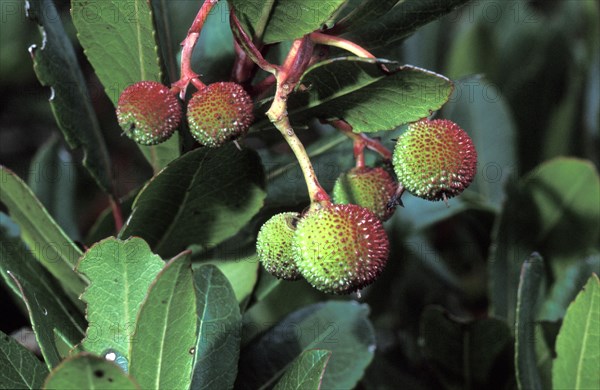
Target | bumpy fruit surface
(340,248)
(435,159)
(219,113)
(148,112)
(274,246)
(371,188)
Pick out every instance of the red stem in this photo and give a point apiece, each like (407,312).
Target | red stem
(115,206)
(248,46)
(359,153)
(188,44)
(369,143)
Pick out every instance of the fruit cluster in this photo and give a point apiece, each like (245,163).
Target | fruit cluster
(149,113)
(341,247)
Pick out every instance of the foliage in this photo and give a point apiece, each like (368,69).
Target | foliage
(497,289)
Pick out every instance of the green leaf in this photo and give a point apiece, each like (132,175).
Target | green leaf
(55,65)
(578,342)
(48,243)
(479,108)
(50,311)
(401,21)
(363,14)
(282,20)
(52,178)
(202,198)
(465,354)
(306,372)
(165,333)
(20,368)
(219,330)
(359,92)
(119,274)
(558,199)
(86,371)
(532,276)
(119,41)
(570,275)
(341,327)
(242,273)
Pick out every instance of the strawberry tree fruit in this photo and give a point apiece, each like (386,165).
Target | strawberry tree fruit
(218,113)
(274,246)
(340,248)
(435,160)
(148,112)
(371,188)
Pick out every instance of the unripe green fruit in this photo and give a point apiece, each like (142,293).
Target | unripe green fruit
(274,246)
(435,159)
(340,248)
(371,188)
(148,112)
(219,113)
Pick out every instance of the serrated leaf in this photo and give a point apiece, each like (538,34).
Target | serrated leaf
(50,310)
(282,20)
(401,21)
(219,330)
(202,198)
(56,66)
(119,275)
(558,199)
(359,92)
(464,354)
(52,178)
(341,327)
(20,368)
(306,372)
(119,41)
(578,342)
(161,351)
(86,371)
(47,241)
(364,13)
(532,276)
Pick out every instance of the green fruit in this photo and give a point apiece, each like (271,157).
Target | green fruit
(340,248)
(219,113)
(371,188)
(274,246)
(148,112)
(435,160)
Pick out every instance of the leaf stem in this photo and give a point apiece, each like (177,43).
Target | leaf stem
(187,74)
(330,40)
(117,213)
(246,43)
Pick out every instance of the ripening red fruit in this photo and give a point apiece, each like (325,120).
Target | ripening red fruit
(340,248)
(148,112)
(435,159)
(219,113)
(371,188)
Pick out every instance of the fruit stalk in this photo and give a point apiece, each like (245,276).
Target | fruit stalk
(287,78)
(369,143)
(187,74)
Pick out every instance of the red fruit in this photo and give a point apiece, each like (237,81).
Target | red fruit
(148,112)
